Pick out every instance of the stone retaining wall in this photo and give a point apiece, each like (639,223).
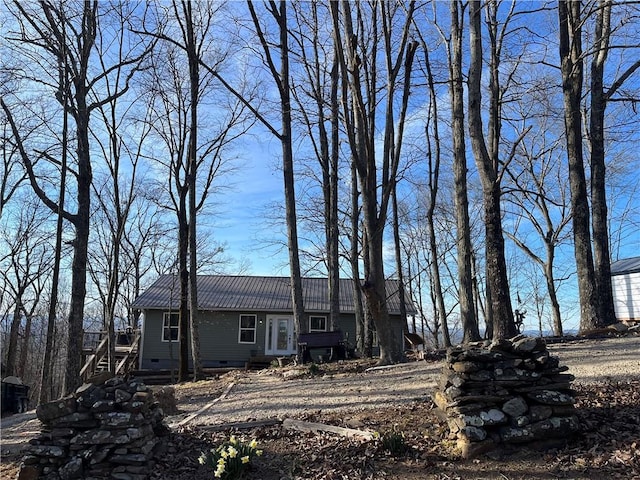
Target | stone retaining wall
(103,430)
(504,394)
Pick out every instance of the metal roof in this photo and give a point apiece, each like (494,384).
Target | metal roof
(250,293)
(626,265)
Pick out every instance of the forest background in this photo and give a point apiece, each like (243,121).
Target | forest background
(122,122)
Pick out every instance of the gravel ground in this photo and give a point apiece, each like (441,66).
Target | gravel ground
(600,359)
(268,394)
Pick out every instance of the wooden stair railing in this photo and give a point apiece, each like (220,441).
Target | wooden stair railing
(94,359)
(127,362)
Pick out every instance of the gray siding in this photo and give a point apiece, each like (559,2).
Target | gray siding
(219,341)
(219,345)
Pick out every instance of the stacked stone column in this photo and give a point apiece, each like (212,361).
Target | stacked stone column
(107,430)
(505,393)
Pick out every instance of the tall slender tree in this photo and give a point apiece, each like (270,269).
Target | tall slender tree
(600,97)
(186,31)
(316,98)
(463,229)
(282,78)
(487,155)
(572,71)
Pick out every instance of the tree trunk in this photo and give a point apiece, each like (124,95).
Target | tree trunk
(288,174)
(433,160)
(183,272)
(354,259)
(25,346)
(463,231)
(551,290)
(282,80)
(14,331)
(368,316)
(80,244)
(497,283)
(333,230)
(599,221)
(47,370)
(398,256)
(192,172)
(110,310)
(487,163)
(391,350)
(572,77)
(83,198)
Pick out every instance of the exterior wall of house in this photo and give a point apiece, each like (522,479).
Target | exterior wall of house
(220,346)
(219,337)
(626,296)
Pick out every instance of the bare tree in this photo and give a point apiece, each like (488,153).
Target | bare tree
(465,293)
(274,53)
(538,192)
(364,330)
(319,88)
(145,239)
(24,269)
(115,190)
(487,155)
(358,67)
(600,97)
(572,70)
(71,48)
(195,160)
(433,173)
(281,77)
(47,364)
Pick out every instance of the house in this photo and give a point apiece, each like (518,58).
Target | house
(243,317)
(625,281)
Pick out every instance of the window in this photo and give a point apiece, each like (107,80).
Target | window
(170,326)
(248,328)
(317,324)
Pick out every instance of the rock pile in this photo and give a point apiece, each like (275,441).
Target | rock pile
(505,393)
(103,430)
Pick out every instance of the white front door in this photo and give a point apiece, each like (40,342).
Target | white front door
(280,338)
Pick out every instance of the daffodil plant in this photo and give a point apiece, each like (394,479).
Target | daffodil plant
(230,459)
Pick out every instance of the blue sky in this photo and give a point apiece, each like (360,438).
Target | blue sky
(239,222)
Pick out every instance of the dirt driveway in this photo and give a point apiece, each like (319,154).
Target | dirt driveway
(277,394)
(280,393)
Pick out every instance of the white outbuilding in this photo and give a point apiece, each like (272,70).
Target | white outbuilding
(625,280)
